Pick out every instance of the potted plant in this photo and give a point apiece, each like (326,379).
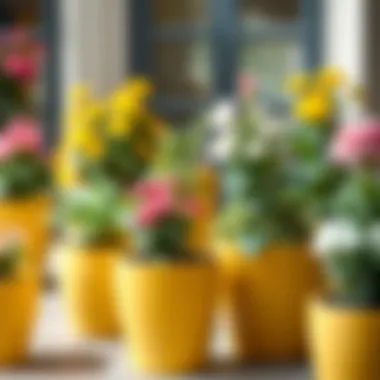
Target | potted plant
(114,139)
(317,99)
(18,299)
(262,243)
(91,223)
(344,324)
(181,155)
(24,202)
(165,292)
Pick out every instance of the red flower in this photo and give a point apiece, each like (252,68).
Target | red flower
(357,143)
(20,66)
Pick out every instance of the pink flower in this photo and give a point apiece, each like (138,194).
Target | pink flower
(6,147)
(246,85)
(151,213)
(20,66)
(22,134)
(152,190)
(357,143)
(157,200)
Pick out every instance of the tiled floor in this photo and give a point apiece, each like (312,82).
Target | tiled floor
(59,356)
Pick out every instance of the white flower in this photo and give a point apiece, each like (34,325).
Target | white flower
(337,236)
(221,119)
(222,114)
(220,150)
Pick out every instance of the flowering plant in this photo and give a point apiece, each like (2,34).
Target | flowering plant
(349,241)
(114,140)
(262,206)
(161,219)
(91,215)
(23,170)
(20,59)
(316,111)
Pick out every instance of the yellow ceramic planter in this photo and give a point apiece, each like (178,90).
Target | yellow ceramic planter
(166,312)
(207,189)
(87,286)
(344,343)
(18,304)
(31,217)
(264,296)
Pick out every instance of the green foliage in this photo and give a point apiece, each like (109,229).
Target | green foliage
(262,204)
(124,160)
(181,152)
(91,215)
(166,240)
(314,174)
(13,98)
(358,198)
(353,266)
(23,175)
(355,278)
(262,207)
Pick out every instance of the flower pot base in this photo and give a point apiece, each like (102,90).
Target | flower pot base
(344,343)
(166,311)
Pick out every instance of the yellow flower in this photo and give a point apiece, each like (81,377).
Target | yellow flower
(67,176)
(79,96)
(123,101)
(119,125)
(66,173)
(77,136)
(93,112)
(314,107)
(140,87)
(297,83)
(92,146)
(330,77)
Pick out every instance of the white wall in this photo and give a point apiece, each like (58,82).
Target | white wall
(344,36)
(94,42)
(345,40)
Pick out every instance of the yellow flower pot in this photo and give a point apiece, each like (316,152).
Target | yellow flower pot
(166,312)
(208,191)
(18,303)
(31,217)
(86,280)
(264,295)
(344,343)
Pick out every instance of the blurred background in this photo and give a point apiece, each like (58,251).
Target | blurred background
(194,49)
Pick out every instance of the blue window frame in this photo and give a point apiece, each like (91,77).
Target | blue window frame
(226,36)
(51,30)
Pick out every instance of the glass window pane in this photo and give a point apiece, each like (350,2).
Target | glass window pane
(270,62)
(252,11)
(182,67)
(174,11)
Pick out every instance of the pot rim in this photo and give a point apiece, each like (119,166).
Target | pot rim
(320,303)
(133,262)
(66,248)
